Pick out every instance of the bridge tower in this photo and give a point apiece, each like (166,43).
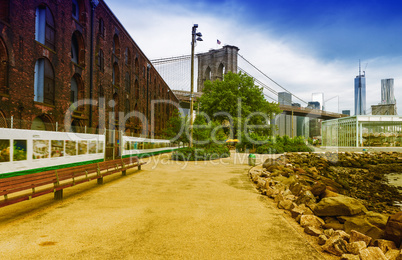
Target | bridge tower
(214,64)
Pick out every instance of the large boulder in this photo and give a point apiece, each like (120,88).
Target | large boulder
(338,206)
(311,221)
(335,245)
(372,253)
(360,224)
(393,228)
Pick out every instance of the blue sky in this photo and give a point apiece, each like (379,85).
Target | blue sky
(306,46)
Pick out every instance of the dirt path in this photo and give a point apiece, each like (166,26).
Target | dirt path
(169,210)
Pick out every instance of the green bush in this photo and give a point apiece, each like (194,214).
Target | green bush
(212,152)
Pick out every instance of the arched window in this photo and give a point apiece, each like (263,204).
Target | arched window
(136,67)
(101,60)
(127,57)
(77,49)
(101,28)
(116,45)
(221,71)
(44,82)
(44,27)
(74,90)
(3,68)
(75,10)
(208,74)
(127,106)
(128,82)
(136,90)
(116,75)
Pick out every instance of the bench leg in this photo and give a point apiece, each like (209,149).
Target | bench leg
(58,195)
(100,180)
(139,167)
(124,173)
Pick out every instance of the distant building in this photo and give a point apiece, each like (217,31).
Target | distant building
(346,112)
(383,109)
(387,92)
(313,105)
(284,98)
(360,94)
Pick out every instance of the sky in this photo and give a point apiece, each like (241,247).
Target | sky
(310,47)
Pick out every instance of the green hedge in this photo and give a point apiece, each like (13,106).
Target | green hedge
(201,154)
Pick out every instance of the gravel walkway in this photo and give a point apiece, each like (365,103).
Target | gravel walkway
(169,210)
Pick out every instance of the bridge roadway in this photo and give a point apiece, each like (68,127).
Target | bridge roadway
(169,210)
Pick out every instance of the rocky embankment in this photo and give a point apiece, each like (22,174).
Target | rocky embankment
(343,200)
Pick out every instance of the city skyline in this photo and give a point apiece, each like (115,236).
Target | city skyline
(306,46)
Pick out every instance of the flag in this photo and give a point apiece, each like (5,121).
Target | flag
(218,41)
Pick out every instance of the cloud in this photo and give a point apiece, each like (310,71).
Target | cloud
(164,30)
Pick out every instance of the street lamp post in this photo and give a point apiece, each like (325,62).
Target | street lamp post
(193,41)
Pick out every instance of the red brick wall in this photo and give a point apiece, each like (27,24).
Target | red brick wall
(18,36)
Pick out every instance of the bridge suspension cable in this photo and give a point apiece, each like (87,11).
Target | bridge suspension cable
(271,79)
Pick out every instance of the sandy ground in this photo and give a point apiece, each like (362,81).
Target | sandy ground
(169,210)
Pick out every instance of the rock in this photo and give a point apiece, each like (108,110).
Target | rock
(335,245)
(349,257)
(318,189)
(329,232)
(261,183)
(311,221)
(345,236)
(290,197)
(384,245)
(393,254)
(376,219)
(338,206)
(270,162)
(360,224)
(322,239)
(296,188)
(307,210)
(278,198)
(285,204)
(372,253)
(393,228)
(306,198)
(296,211)
(355,247)
(328,193)
(334,226)
(312,231)
(357,236)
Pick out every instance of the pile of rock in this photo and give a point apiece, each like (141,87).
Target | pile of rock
(341,224)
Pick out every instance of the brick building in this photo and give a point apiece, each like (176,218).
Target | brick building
(45,67)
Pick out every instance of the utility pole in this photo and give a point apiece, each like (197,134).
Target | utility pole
(193,41)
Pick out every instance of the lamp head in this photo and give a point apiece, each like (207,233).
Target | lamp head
(199,39)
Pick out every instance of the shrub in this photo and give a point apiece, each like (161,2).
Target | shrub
(201,154)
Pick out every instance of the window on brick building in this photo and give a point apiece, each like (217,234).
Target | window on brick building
(75,10)
(77,49)
(127,106)
(127,57)
(136,90)
(116,75)
(101,28)
(44,27)
(101,60)
(116,45)
(44,82)
(128,82)
(4,10)
(136,67)
(3,68)
(74,90)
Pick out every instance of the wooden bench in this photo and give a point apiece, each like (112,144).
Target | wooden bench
(55,181)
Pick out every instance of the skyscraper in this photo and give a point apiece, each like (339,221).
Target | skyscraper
(360,93)
(387,92)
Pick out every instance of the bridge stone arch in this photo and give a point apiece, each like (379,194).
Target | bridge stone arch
(214,64)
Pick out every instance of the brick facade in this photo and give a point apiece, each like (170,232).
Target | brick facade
(45,58)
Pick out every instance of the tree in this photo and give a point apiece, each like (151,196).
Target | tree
(176,128)
(238,101)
